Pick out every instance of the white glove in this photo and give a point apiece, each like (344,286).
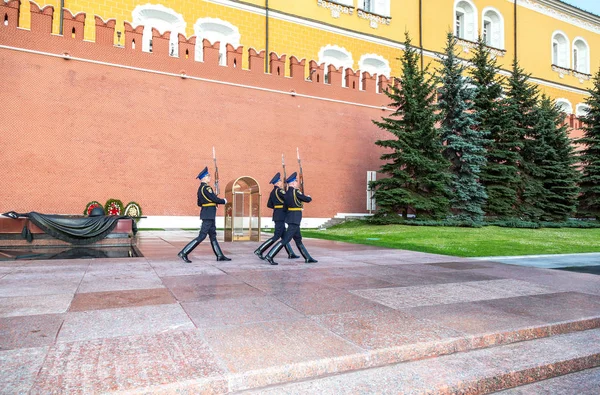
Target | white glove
(225,200)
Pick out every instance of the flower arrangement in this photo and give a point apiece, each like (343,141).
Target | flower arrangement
(90,206)
(133,209)
(113,207)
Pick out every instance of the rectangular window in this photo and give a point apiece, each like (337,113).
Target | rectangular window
(487,32)
(369,5)
(575,61)
(460,20)
(555,53)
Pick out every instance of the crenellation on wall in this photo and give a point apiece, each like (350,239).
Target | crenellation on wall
(73,25)
(9,14)
(160,42)
(41,18)
(133,37)
(300,80)
(297,68)
(317,72)
(211,52)
(105,31)
(334,75)
(369,82)
(234,56)
(256,61)
(186,47)
(352,78)
(277,64)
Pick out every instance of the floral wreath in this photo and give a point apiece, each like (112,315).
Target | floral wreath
(133,209)
(90,206)
(113,207)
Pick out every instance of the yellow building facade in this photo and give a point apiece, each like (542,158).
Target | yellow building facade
(555,42)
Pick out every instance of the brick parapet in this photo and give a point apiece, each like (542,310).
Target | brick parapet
(300,80)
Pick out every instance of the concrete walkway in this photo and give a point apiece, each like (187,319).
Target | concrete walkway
(362,320)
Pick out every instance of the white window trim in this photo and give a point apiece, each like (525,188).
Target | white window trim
(201,34)
(568,50)
(473,35)
(348,63)
(567,103)
(386,70)
(501,17)
(581,109)
(587,60)
(176,27)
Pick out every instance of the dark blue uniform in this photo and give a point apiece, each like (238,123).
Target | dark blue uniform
(208,201)
(294,203)
(294,200)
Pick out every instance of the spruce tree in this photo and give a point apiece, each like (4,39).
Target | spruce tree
(589,156)
(463,142)
(522,98)
(499,175)
(557,163)
(417,171)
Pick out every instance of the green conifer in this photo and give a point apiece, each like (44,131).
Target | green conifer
(416,170)
(463,141)
(589,156)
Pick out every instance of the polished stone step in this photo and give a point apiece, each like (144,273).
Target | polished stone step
(474,372)
(586,382)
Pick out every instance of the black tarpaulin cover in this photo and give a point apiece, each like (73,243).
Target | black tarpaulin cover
(74,229)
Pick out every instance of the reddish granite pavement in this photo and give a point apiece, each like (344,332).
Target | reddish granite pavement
(362,320)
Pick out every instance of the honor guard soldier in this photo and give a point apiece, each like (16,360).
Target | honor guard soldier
(294,201)
(208,202)
(277,203)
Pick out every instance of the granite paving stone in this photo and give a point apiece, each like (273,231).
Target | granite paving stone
(38,285)
(19,368)
(382,327)
(179,268)
(29,331)
(473,318)
(94,324)
(117,281)
(132,362)
(34,305)
(480,371)
(116,299)
(324,301)
(276,343)
(234,311)
(586,382)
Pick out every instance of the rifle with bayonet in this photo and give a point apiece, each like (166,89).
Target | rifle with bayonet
(216,173)
(300,174)
(284,173)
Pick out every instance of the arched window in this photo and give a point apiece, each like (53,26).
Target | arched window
(465,20)
(560,49)
(379,7)
(336,56)
(375,64)
(493,28)
(581,56)
(565,106)
(581,110)
(214,29)
(161,18)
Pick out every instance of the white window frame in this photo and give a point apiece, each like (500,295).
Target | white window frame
(338,57)
(213,30)
(581,110)
(565,105)
(582,64)
(469,25)
(379,7)
(561,54)
(161,18)
(496,20)
(381,66)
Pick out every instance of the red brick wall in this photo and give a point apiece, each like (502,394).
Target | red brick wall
(73,131)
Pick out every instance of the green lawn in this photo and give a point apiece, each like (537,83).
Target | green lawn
(465,242)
